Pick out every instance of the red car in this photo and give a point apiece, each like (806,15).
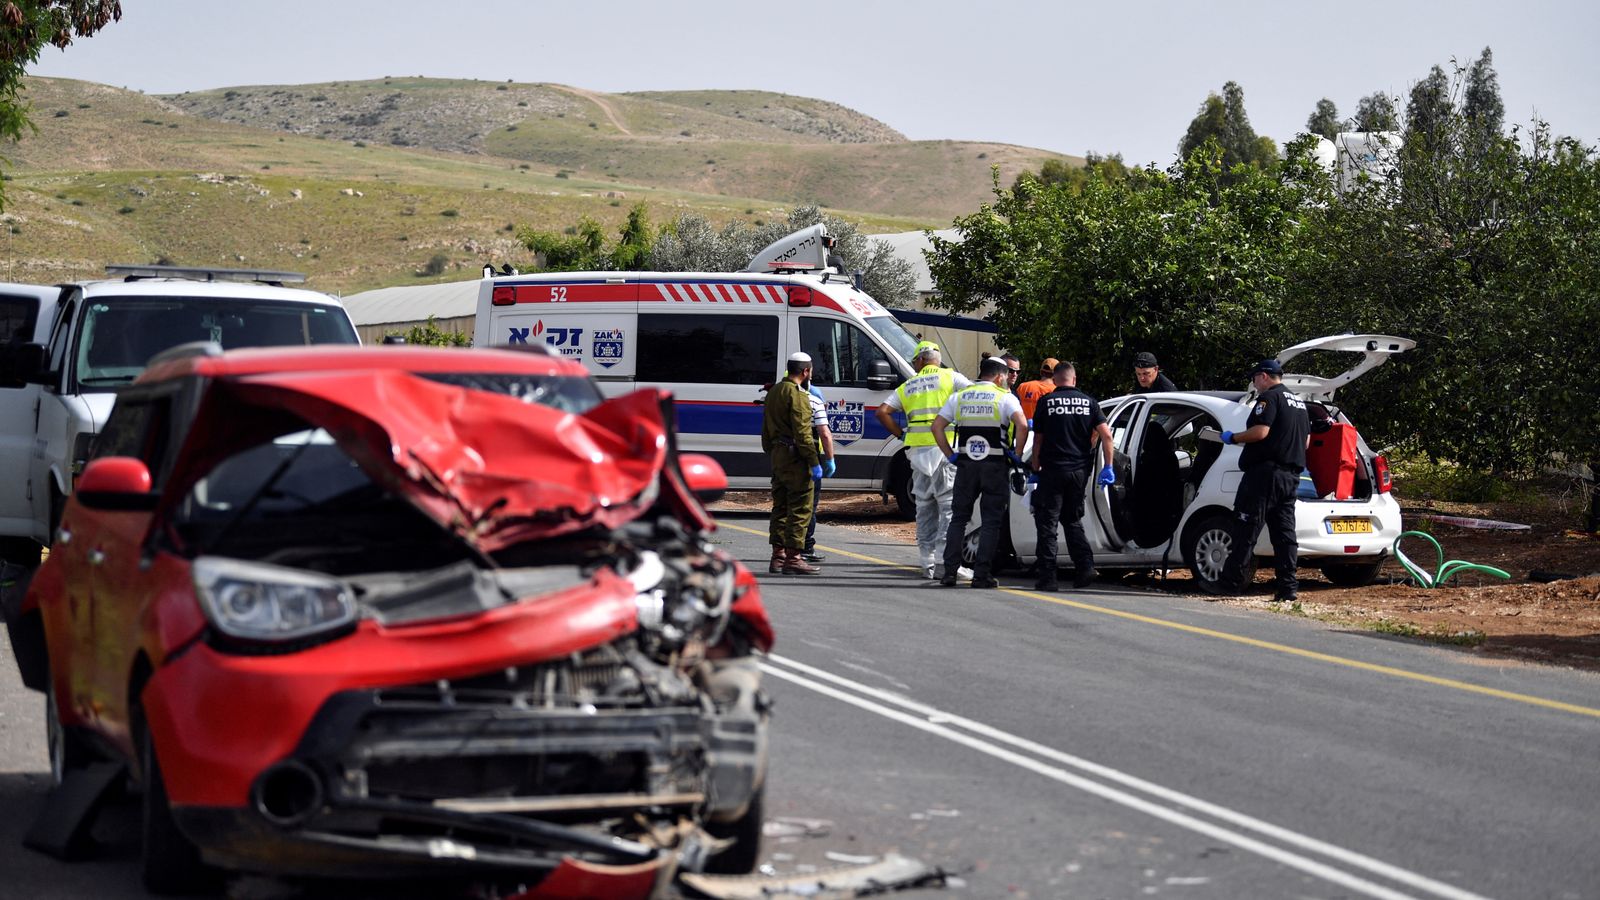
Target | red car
(393,612)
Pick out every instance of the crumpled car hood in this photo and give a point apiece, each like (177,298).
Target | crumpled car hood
(492,468)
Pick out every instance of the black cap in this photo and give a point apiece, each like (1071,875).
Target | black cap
(1145,360)
(1269,366)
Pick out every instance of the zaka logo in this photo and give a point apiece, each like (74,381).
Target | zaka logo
(608,347)
(521,335)
(847,420)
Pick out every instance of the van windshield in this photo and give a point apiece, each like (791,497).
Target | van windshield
(895,335)
(120,334)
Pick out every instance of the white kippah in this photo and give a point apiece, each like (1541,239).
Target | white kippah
(800,356)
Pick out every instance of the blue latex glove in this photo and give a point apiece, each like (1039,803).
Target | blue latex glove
(828,468)
(1108,475)
(953,457)
(1030,424)
(1033,477)
(816,473)
(1013,457)
(1227,437)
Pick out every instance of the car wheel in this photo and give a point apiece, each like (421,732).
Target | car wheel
(900,487)
(169,861)
(68,750)
(1005,555)
(1354,574)
(742,857)
(1205,549)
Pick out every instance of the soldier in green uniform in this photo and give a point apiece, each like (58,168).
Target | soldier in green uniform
(786,438)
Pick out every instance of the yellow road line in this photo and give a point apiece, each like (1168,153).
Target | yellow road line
(1248,641)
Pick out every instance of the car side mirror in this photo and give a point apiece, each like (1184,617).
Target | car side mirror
(20,364)
(881,376)
(117,483)
(704,476)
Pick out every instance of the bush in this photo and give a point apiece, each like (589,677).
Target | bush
(431,335)
(449,213)
(125,210)
(436,264)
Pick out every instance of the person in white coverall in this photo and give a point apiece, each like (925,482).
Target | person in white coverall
(933,478)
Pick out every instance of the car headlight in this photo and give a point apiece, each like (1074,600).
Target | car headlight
(258,602)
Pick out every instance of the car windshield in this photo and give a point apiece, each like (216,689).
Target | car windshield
(895,334)
(121,334)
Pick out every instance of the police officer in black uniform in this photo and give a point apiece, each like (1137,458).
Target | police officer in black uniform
(1065,424)
(1274,454)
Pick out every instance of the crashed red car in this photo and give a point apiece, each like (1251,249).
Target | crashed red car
(394,611)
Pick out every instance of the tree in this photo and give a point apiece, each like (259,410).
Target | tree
(691,244)
(1480,102)
(1428,109)
(1324,120)
(1376,112)
(582,246)
(430,334)
(25,27)
(1223,119)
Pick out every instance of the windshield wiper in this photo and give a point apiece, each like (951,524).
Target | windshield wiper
(260,493)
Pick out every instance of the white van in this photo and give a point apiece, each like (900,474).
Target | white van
(718,341)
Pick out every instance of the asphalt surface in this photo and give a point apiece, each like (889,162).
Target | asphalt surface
(1105,743)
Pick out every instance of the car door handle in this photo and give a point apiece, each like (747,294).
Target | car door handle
(96,557)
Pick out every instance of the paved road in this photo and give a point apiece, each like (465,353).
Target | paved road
(1104,743)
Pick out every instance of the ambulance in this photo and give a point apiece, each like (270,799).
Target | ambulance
(718,342)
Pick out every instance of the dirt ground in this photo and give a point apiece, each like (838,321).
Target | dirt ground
(1549,611)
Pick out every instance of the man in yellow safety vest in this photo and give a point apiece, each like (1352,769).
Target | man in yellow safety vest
(933,478)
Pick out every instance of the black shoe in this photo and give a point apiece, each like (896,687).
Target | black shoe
(1084,578)
(948,580)
(812,555)
(1046,585)
(984,582)
(1282,597)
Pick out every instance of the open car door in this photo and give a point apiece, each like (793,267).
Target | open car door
(1108,519)
(1375,350)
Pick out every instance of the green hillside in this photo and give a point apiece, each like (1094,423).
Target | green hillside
(116,176)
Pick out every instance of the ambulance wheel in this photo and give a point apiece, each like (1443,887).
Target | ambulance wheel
(900,487)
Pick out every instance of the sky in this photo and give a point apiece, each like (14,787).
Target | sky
(1107,77)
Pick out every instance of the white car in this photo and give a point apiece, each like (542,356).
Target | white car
(1173,498)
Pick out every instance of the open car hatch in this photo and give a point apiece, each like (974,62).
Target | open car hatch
(1376,349)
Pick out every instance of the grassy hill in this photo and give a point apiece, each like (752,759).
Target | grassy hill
(117,176)
(735,143)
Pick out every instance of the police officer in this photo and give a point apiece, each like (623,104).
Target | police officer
(933,478)
(786,437)
(1065,425)
(983,465)
(1274,453)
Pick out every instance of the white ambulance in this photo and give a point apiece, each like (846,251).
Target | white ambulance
(718,341)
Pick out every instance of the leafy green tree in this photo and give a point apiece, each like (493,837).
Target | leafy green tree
(1375,112)
(429,334)
(1224,120)
(1187,262)
(1056,171)
(1429,108)
(691,244)
(583,247)
(25,27)
(1324,120)
(1480,102)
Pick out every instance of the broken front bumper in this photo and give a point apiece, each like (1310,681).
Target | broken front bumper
(436,778)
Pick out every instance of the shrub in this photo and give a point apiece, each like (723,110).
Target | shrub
(436,264)
(511,128)
(562,175)
(125,210)
(449,213)
(62,114)
(501,87)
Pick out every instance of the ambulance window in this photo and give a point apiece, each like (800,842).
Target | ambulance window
(708,349)
(841,353)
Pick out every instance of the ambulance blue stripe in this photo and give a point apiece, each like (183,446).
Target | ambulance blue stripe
(722,418)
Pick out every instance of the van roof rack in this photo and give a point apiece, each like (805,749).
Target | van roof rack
(784,265)
(136,272)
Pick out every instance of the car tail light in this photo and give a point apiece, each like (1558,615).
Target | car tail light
(504,296)
(1380,468)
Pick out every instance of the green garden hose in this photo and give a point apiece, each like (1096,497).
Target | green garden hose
(1446,570)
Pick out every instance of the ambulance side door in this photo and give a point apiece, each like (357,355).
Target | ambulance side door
(717,360)
(842,354)
(589,318)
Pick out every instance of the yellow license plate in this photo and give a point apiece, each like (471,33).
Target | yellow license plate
(1349,526)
